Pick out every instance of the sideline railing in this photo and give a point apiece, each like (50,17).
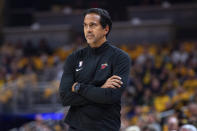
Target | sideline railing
(27,97)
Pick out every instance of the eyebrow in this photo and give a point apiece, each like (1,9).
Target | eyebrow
(90,23)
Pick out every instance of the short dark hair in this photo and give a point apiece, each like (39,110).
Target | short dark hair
(104,14)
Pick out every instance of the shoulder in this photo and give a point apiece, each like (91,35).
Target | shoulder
(74,57)
(118,53)
(77,54)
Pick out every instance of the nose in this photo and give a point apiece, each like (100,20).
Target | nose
(89,29)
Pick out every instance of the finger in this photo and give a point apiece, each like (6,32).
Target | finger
(116,77)
(74,86)
(103,86)
(108,86)
(117,81)
(111,86)
(116,84)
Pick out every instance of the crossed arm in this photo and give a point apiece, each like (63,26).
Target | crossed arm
(109,93)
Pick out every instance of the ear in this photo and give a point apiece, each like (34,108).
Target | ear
(106,29)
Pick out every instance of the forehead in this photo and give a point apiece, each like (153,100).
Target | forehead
(92,17)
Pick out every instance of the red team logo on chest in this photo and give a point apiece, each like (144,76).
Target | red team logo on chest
(103,66)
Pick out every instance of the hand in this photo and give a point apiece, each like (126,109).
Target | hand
(73,90)
(113,82)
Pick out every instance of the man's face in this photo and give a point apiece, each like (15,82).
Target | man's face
(172,123)
(95,34)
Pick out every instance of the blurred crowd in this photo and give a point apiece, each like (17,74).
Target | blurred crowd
(161,93)
(162,88)
(42,125)
(31,63)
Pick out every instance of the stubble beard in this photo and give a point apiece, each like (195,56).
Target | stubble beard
(94,42)
(91,42)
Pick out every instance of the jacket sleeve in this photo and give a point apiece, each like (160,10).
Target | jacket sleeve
(67,97)
(121,67)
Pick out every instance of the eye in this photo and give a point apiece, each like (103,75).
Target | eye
(93,25)
(90,25)
(85,25)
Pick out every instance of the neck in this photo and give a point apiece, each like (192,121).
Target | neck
(99,43)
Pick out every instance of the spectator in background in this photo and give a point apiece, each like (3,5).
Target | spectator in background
(180,55)
(43,47)
(192,109)
(37,125)
(172,123)
(153,122)
(132,128)
(29,49)
(149,128)
(188,127)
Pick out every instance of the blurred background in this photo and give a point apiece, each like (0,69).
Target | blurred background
(160,36)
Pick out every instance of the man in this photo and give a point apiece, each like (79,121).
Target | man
(172,123)
(94,78)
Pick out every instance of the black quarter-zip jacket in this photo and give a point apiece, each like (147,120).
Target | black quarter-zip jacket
(94,108)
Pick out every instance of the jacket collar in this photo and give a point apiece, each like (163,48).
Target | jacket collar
(99,49)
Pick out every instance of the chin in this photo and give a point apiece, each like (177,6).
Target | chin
(91,45)
(90,42)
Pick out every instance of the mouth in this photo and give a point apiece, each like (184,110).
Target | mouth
(89,36)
